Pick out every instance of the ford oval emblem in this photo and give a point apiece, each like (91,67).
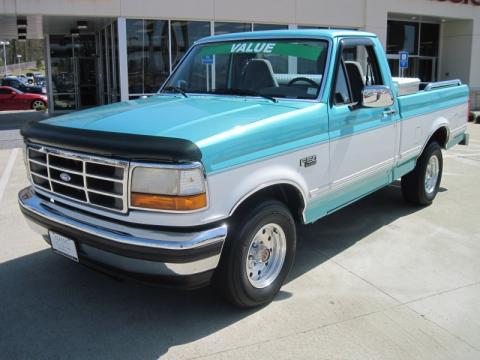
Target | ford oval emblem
(65,177)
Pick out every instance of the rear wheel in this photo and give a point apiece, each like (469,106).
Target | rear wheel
(38,105)
(421,185)
(258,255)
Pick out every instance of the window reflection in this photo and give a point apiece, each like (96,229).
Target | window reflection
(429,35)
(147,54)
(402,36)
(262,27)
(135,36)
(184,34)
(231,27)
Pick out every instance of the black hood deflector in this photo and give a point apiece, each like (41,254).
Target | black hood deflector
(112,144)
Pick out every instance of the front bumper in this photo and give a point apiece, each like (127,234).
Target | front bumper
(181,258)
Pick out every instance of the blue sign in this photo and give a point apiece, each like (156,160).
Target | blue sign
(207,59)
(403,59)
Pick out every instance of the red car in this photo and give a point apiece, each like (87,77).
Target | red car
(13,99)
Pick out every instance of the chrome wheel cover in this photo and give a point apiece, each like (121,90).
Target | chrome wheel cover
(266,255)
(431,174)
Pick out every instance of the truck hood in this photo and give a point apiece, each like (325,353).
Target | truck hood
(222,131)
(194,118)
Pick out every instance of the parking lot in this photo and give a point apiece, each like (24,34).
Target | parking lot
(377,280)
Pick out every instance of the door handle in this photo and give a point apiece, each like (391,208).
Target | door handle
(389,112)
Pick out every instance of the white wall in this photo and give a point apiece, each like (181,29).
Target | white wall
(456,50)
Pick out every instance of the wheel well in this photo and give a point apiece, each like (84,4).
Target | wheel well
(440,136)
(286,193)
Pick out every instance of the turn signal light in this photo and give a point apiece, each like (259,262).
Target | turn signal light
(167,202)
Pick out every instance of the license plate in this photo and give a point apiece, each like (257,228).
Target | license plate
(63,246)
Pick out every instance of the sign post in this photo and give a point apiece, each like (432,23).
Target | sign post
(402,63)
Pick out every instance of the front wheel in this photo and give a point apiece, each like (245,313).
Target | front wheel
(258,255)
(421,185)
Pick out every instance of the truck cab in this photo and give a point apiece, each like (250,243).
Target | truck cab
(252,135)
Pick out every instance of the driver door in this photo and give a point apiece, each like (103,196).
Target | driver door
(362,140)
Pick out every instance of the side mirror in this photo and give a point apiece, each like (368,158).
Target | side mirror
(13,93)
(377,96)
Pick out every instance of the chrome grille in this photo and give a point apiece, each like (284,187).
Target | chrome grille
(89,179)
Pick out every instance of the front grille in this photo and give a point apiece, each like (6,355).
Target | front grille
(89,179)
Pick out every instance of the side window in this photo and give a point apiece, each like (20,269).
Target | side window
(342,92)
(362,69)
(4,92)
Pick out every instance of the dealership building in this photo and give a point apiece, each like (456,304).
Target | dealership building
(103,51)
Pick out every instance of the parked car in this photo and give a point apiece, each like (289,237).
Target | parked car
(30,78)
(22,78)
(251,133)
(40,80)
(25,88)
(13,99)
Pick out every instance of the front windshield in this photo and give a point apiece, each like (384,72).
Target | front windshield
(271,68)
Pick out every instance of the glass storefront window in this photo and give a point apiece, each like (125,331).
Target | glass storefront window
(312,27)
(262,27)
(135,56)
(231,27)
(423,68)
(429,35)
(156,57)
(184,34)
(147,55)
(421,40)
(402,36)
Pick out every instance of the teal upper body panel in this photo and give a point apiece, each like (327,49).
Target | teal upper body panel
(424,102)
(228,130)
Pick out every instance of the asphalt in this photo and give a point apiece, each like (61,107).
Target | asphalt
(377,280)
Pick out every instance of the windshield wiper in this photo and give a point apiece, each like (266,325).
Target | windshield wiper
(175,89)
(236,91)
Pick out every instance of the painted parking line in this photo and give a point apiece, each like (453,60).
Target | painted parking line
(7,172)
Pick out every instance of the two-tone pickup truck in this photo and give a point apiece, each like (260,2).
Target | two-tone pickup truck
(251,134)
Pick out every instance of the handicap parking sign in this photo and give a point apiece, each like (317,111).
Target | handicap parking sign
(403,59)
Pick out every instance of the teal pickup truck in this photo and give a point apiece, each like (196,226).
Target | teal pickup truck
(251,134)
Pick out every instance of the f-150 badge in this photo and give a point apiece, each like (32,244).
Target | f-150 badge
(308,161)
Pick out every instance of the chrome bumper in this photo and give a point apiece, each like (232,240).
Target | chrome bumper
(132,249)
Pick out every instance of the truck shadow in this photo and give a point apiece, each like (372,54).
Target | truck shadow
(52,308)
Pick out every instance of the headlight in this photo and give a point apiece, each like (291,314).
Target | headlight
(173,189)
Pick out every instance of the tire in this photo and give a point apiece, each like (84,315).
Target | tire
(38,105)
(265,225)
(420,186)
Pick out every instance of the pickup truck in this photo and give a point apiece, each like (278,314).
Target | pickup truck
(252,135)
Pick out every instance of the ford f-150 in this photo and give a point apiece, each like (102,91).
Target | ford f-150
(251,134)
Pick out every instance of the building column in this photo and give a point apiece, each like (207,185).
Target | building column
(376,17)
(475,68)
(122,58)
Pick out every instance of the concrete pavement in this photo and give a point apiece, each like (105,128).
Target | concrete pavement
(377,280)
(12,121)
